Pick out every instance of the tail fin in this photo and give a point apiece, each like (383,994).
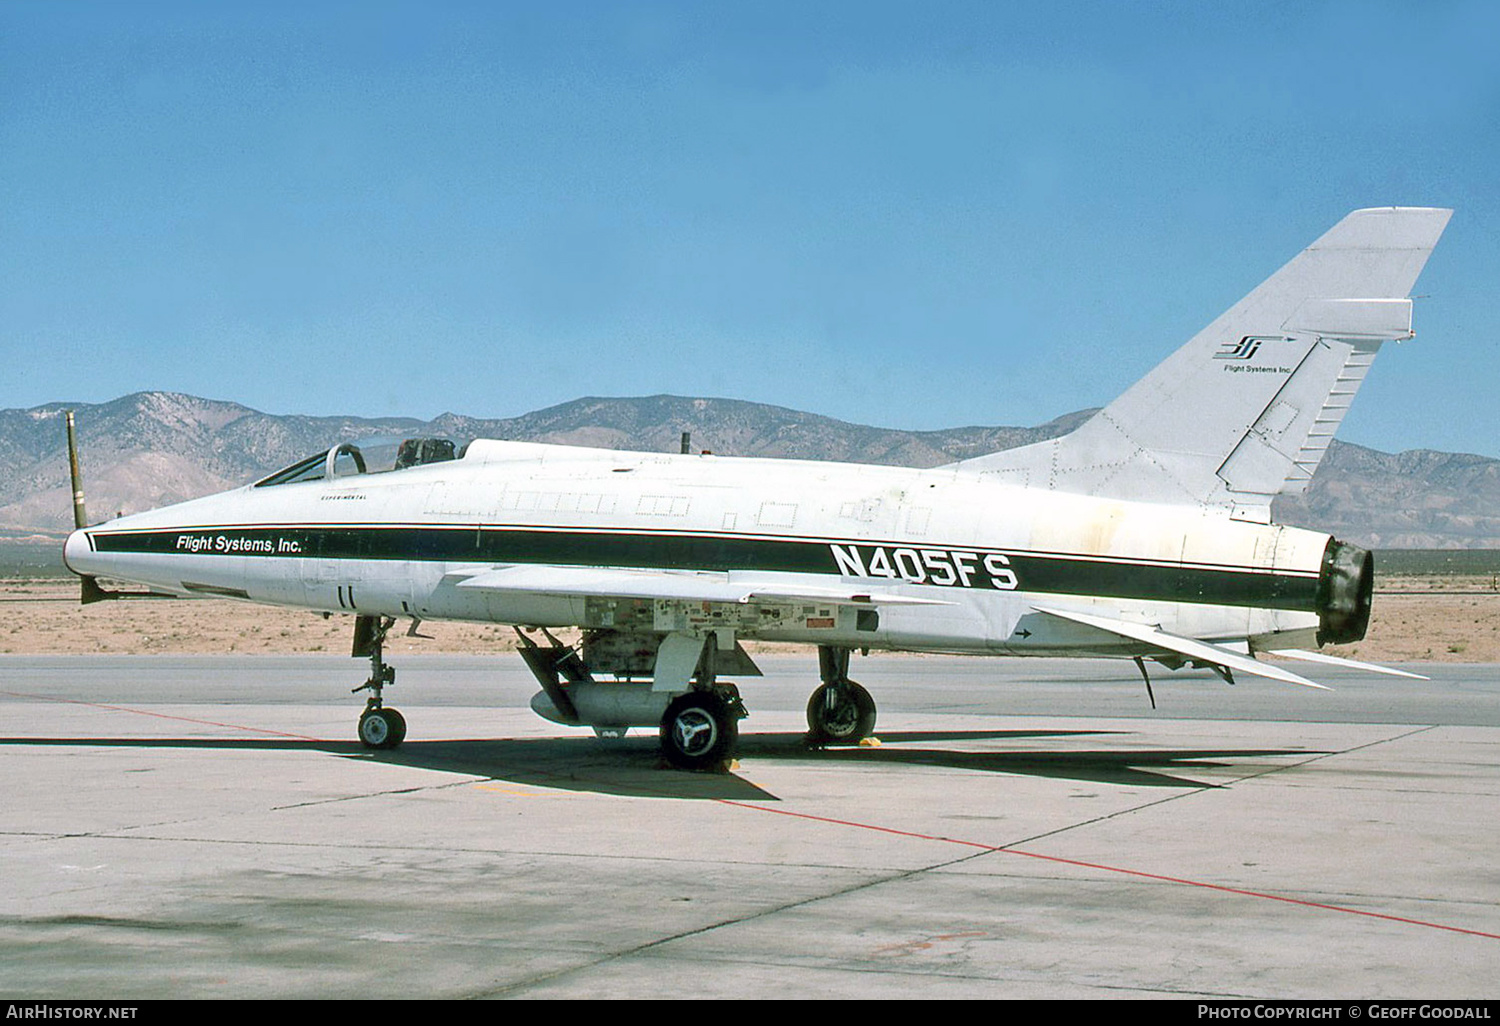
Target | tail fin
(1246,409)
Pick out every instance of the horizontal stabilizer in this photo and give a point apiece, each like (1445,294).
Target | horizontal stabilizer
(613,582)
(1198,651)
(1353,664)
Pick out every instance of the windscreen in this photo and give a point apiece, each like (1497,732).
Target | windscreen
(367,456)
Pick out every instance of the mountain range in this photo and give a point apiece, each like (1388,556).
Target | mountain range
(153,448)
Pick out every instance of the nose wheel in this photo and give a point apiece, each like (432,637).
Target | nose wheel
(381,728)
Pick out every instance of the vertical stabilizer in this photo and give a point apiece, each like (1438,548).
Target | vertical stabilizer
(1246,409)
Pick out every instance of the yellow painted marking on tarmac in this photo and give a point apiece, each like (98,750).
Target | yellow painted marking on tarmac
(517,793)
(913,946)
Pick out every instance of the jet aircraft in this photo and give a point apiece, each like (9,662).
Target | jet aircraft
(1145,534)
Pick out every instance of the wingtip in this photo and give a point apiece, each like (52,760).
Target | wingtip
(1352,664)
(1444,212)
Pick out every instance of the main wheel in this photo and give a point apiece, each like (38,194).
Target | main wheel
(699,731)
(381,728)
(840,712)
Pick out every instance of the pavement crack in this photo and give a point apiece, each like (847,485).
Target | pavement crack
(648,946)
(418,789)
(1209,788)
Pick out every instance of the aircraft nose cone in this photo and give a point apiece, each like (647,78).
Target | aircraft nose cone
(75,551)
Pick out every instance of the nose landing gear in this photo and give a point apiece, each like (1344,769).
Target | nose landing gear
(379,727)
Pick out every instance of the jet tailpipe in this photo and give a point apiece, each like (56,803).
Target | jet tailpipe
(1345,587)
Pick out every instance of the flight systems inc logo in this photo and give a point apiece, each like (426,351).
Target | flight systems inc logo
(1239,354)
(1245,348)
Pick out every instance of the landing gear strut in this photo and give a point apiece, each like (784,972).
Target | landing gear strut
(840,711)
(379,727)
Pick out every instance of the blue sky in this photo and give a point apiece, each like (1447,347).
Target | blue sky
(916,215)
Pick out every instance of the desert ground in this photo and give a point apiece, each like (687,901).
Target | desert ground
(1417,618)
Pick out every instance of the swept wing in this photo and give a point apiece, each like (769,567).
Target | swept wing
(690,586)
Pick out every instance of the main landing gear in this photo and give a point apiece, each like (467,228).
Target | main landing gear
(840,711)
(379,727)
(700,730)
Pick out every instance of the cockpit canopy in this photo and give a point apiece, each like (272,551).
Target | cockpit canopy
(367,456)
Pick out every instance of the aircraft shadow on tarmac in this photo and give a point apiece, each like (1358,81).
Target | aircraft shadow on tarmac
(633,766)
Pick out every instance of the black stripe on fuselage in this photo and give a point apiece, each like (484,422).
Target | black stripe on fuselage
(1048,573)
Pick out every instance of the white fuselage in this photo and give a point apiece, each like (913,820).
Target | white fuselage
(987,554)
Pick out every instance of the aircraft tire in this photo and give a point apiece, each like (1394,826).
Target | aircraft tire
(382,728)
(849,721)
(398,727)
(699,731)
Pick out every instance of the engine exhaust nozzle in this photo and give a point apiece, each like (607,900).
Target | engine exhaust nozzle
(1345,588)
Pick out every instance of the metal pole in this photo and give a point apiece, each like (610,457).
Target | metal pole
(80,517)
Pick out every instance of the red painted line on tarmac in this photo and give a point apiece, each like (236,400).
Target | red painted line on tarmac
(1221,888)
(1115,869)
(859,826)
(161,716)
